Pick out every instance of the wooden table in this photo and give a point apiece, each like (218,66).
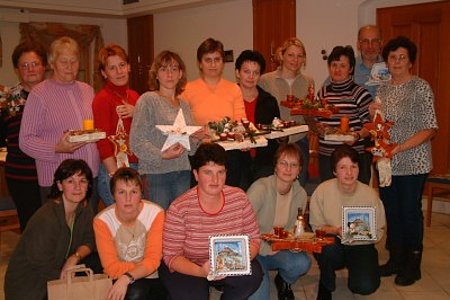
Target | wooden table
(311,245)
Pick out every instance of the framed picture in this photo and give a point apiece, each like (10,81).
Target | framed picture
(359,223)
(229,255)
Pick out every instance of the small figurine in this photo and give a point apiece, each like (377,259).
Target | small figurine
(121,145)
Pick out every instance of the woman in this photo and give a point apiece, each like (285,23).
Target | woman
(210,208)
(167,173)
(129,240)
(260,108)
(29,61)
(213,98)
(289,80)
(57,237)
(353,102)
(53,107)
(113,103)
(407,100)
(326,213)
(276,200)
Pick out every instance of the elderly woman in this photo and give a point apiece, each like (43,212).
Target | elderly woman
(276,200)
(353,102)
(326,213)
(57,237)
(113,104)
(213,98)
(167,173)
(53,107)
(129,240)
(289,80)
(210,208)
(260,108)
(407,100)
(29,61)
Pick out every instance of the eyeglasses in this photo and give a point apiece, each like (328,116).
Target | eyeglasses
(32,64)
(284,164)
(401,57)
(373,42)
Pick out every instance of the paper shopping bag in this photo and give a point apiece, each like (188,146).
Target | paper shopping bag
(90,287)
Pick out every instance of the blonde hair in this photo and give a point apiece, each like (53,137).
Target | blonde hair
(61,44)
(293,41)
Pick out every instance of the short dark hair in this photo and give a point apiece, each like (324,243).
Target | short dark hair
(29,46)
(251,55)
(209,152)
(341,152)
(68,168)
(291,149)
(346,51)
(210,45)
(125,174)
(403,42)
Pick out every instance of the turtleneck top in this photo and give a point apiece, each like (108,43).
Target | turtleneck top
(353,102)
(106,118)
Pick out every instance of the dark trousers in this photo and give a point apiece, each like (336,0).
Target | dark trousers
(146,289)
(403,206)
(304,147)
(26,197)
(252,171)
(186,287)
(361,262)
(365,161)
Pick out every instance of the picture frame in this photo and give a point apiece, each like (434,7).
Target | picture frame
(229,255)
(359,223)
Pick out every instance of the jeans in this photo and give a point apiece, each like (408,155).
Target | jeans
(304,147)
(104,190)
(402,202)
(164,188)
(360,260)
(290,266)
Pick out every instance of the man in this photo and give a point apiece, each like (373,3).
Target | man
(369,45)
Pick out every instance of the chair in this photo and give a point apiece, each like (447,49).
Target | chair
(436,182)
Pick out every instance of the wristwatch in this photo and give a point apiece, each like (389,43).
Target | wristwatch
(132,280)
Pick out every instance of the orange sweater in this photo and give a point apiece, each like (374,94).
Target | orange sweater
(122,247)
(214,104)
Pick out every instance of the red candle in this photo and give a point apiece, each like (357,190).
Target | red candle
(344,124)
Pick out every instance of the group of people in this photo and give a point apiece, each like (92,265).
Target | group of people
(160,246)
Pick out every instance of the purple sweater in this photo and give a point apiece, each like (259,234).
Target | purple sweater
(53,108)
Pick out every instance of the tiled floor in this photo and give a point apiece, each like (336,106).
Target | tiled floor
(434,285)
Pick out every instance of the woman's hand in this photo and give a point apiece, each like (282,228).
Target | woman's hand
(206,268)
(125,110)
(119,289)
(71,261)
(174,151)
(373,106)
(202,134)
(64,146)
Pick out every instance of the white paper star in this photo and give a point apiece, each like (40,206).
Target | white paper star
(179,132)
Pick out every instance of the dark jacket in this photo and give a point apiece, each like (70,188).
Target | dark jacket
(43,249)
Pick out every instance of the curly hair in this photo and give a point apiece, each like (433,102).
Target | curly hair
(400,42)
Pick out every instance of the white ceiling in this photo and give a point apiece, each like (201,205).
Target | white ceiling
(103,7)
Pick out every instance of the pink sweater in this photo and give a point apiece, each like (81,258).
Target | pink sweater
(213,105)
(187,227)
(53,108)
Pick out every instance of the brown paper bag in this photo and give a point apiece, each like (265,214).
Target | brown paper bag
(90,287)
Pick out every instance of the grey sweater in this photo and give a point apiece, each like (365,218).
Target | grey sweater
(146,140)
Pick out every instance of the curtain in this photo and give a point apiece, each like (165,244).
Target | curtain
(85,35)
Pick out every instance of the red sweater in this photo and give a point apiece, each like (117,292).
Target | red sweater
(106,118)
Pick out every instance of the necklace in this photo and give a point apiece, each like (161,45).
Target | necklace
(131,230)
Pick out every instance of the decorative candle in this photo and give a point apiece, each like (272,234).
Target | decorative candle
(88,124)
(344,124)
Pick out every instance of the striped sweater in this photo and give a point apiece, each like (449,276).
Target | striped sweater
(353,102)
(187,227)
(18,165)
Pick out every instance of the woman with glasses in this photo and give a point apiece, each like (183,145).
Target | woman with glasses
(353,102)
(113,104)
(29,61)
(276,200)
(408,101)
(166,173)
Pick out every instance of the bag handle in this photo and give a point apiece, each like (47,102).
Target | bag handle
(79,268)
